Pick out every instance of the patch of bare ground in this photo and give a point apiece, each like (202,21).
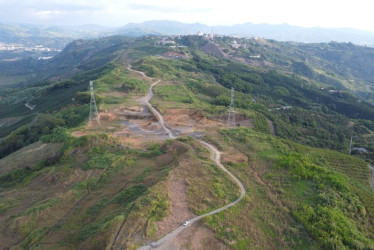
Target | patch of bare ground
(131,109)
(179,211)
(234,156)
(116,94)
(187,117)
(198,236)
(107,116)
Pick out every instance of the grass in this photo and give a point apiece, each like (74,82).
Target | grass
(29,156)
(118,79)
(7,204)
(292,187)
(37,208)
(207,186)
(103,191)
(298,197)
(174,93)
(281,191)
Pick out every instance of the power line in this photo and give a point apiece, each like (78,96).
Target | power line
(94,115)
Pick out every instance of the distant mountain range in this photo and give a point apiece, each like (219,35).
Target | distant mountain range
(280,32)
(49,36)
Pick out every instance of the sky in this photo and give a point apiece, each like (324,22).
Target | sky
(114,13)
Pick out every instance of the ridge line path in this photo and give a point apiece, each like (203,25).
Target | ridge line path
(145,101)
(215,156)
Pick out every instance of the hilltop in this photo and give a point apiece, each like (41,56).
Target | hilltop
(133,179)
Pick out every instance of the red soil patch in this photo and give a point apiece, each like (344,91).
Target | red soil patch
(235,157)
(186,117)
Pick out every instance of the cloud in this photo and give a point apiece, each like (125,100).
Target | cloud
(332,13)
(46,12)
(44,5)
(160,8)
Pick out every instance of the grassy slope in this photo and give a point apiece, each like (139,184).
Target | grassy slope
(98,193)
(278,211)
(96,178)
(113,188)
(29,156)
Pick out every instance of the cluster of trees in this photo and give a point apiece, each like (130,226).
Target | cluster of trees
(329,218)
(317,118)
(26,135)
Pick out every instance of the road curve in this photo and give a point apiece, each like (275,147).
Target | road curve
(215,155)
(139,72)
(164,242)
(145,101)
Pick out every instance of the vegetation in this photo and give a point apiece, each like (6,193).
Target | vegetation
(304,190)
(320,198)
(275,96)
(307,184)
(113,191)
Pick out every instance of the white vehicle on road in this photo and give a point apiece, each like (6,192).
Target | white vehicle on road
(186,223)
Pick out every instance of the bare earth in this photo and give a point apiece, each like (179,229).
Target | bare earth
(198,236)
(179,206)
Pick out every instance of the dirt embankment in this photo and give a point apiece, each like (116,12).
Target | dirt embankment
(186,117)
(179,211)
(197,236)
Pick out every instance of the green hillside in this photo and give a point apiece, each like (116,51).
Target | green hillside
(123,184)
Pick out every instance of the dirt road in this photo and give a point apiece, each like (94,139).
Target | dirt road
(166,241)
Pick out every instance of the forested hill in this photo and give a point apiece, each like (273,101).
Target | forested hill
(52,85)
(322,94)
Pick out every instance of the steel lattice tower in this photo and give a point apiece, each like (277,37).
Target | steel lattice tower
(231,118)
(94,115)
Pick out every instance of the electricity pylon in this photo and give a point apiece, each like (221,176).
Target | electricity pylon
(94,115)
(231,118)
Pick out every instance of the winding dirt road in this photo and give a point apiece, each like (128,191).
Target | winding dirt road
(145,101)
(165,242)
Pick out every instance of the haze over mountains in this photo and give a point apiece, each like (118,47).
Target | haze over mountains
(280,32)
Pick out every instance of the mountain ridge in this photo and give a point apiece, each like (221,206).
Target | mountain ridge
(280,32)
(109,185)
